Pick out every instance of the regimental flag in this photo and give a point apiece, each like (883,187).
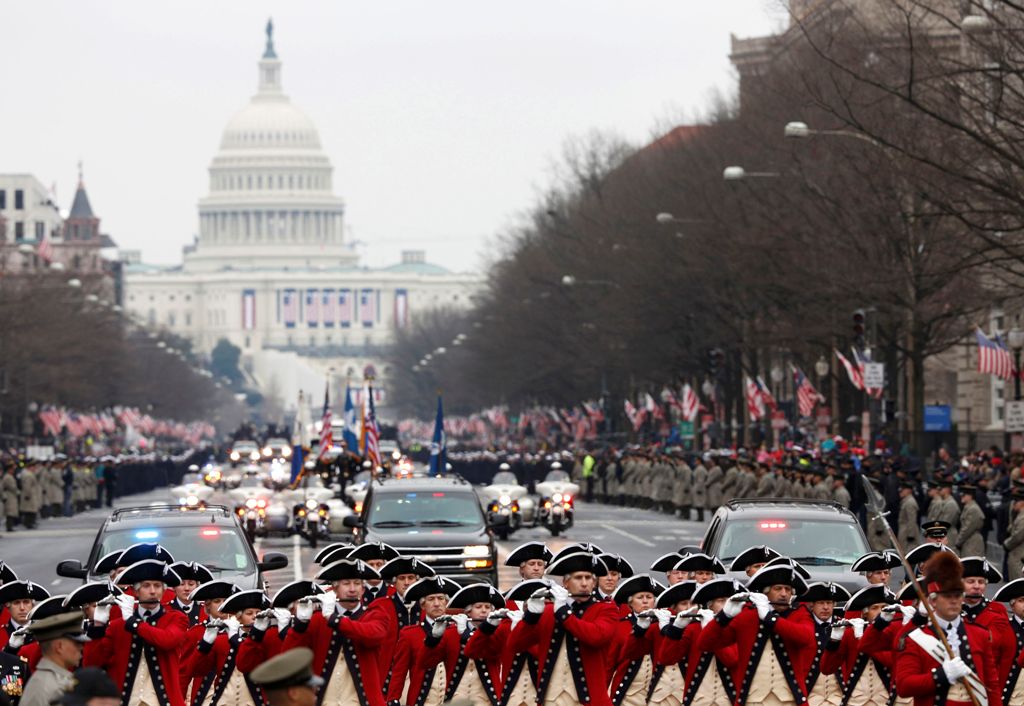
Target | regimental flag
(856,376)
(367,308)
(806,396)
(329,311)
(326,440)
(345,302)
(438,444)
(994,356)
(755,401)
(290,307)
(248,309)
(313,307)
(401,308)
(351,423)
(691,403)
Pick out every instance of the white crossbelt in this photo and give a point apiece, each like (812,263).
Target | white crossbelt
(936,651)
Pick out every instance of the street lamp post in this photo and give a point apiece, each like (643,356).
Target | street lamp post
(1015,337)
(821,369)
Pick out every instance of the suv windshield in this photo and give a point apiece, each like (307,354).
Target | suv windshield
(426,509)
(811,542)
(214,547)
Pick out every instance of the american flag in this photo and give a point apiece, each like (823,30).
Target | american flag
(806,396)
(766,395)
(855,373)
(652,407)
(367,311)
(345,301)
(329,310)
(313,307)
(861,358)
(634,415)
(993,356)
(45,249)
(755,401)
(325,421)
(691,403)
(290,307)
(371,432)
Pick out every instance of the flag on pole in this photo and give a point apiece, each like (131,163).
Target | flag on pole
(351,424)
(861,358)
(993,356)
(326,440)
(691,403)
(439,444)
(755,400)
(856,377)
(298,433)
(45,249)
(371,432)
(806,396)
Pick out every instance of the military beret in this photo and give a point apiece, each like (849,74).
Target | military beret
(192,571)
(869,596)
(528,551)
(476,593)
(374,551)
(760,554)
(149,570)
(579,561)
(67,624)
(213,589)
(403,565)
(715,588)
(92,592)
(292,667)
(682,591)
(641,583)
(824,591)
(429,586)
(876,561)
(347,569)
(243,600)
(20,590)
(980,566)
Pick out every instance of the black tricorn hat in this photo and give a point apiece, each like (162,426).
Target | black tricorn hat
(588,547)
(906,592)
(243,600)
(761,554)
(700,562)
(19,590)
(824,591)
(143,551)
(614,562)
(343,551)
(213,589)
(640,583)
(786,561)
(7,573)
(54,605)
(1012,589)
(404,565)
(429,586)
(682,591)
(192,571)
(869,596)
(528,551)
(107,563)
(715,588)
(980,566)
(347,569)
(923,552)
(876,561)
(374,550)
(524,589)
(319,558)
(580,561)
(476,593)
(291,592)
(92,592)
(785,574)
(149,570)
(666,562)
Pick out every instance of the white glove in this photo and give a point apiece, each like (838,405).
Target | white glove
(837,633)
(262,623)
(734,605)
(908,613)
(706,616)
(210,634)
(17,638)
(101,615)
(461,622)
(560,596)
(233,626)
(922,610)
(535,603)
(438,628)
(304,610)
(496,616)
(283,616)
(126,603)
(643,620)
(328,602)
(955,669)
(684,617)
(664,617)
(858,627)
(763,605)
(515,616)
(889,612)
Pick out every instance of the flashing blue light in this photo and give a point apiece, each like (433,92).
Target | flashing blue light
(147,534)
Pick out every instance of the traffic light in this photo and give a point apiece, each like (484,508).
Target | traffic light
(858,328)
(716,361)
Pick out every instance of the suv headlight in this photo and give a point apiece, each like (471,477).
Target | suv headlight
(476,550)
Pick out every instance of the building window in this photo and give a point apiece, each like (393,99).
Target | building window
(19,199)
(188,297)
(151,317)
(188,319)
(19,230)
(171,297)
(3,199)
(40,230)
(247,342)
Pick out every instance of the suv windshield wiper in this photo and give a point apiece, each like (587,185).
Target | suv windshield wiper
(393,523)
(818,561)
(442,523)
(211,567)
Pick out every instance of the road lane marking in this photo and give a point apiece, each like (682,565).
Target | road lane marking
(55,582)
(297,557)
(629,535)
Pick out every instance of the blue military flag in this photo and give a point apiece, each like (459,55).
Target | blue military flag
(439,444)
(350,435)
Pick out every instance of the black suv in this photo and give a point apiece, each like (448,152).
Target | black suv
(436,520)
(211,537)
(824,537)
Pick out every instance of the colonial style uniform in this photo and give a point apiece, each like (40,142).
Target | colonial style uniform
(474,677)
(397,615)
(190,571)
(989,615)
(196,687)
(867,677)
(369,551)
(824,683)
(1011,679)
(634,645)
(19,590)
(265,642)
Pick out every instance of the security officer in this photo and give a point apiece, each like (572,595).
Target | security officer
(971,541)
(288,678)
(61,638)
(907,527)
(9,488)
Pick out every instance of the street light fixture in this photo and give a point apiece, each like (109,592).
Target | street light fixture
(57,266)
(975,23)
(568,280)
(821,367)
(26,249)
(737,173)
(801,131)
(91,298)
(1015,337)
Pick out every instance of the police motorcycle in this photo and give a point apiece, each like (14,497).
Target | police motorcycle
(252,499)
(557,508)
(192,493)
(505,497)
(311,515)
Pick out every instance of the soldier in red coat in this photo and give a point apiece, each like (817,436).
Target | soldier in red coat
(139,650)
(569,632)
(427,651)
(867,678)
(266,638)
(474,676)
(774,647)
(986,614)
(924,669)
(192,575)
(139,552)
(345,636)
(752,559)
(1012,681)
(19,597)
(666,563)
(636,641)
(376,555)
(700,568)
(877,566)
(531,559)
(211,595)
(401,572)
(819,601)
(618,569)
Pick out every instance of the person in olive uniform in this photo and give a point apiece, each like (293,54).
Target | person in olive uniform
(288,678)
(9,488)
(60,639)
(29,499)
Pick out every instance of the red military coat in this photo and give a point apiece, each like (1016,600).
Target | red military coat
(488,669)
(630,645)
(994,618)
(586,629)
(848,658)
(218,660)
(356,638)
(259,646)
(396,616)
(919,675)
(681,647)
(790,635)
(417,657)
(489,641)
(120,646)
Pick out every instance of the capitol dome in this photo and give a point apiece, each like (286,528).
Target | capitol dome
(270,202)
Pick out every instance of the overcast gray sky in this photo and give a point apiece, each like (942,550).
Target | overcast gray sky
(441,119)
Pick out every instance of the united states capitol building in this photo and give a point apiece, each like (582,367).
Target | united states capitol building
(270,270)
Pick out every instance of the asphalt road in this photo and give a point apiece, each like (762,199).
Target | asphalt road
(639,535)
